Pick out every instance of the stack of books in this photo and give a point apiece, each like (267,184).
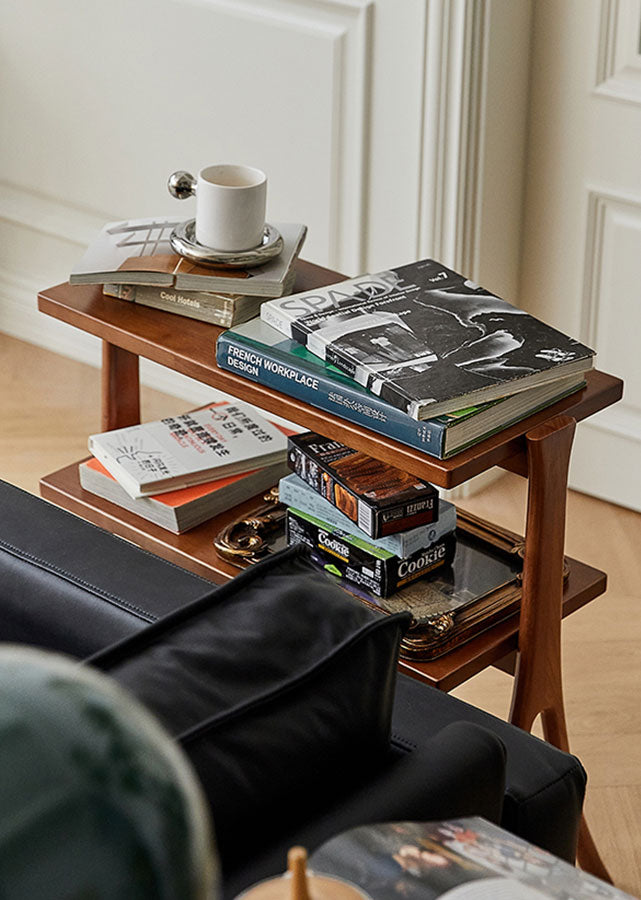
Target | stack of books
(367,522)
(134,261)
(418,353)
(182,470)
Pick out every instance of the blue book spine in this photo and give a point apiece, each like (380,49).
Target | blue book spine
(317,383)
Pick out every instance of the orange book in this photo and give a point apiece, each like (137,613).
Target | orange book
(180,510)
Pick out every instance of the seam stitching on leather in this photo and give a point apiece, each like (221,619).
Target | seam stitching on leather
(402,742)
(166,562)
(44,564)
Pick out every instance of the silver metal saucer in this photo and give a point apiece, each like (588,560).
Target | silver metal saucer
(183,241)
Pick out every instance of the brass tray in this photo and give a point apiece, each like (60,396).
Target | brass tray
(449,607)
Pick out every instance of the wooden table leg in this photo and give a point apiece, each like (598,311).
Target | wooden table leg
(538,683)
(120,387)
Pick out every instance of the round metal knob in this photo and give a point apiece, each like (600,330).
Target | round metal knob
(181,185)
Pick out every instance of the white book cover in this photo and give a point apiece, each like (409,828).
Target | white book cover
(283,312)
(137,251)
(223,438)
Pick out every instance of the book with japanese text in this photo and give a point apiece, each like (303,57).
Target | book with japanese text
(180,510)
(223,438)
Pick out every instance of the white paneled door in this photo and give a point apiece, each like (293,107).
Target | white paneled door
(582,236)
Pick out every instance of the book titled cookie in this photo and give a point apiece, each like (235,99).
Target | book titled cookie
(378,497)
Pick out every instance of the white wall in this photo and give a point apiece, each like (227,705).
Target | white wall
(374,119)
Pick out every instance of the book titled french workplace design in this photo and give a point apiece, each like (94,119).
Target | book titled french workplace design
(221,439)
(262,354)
(380,498)
(138,251)
(293,491)
(427,340)
(456,859)
(178,511)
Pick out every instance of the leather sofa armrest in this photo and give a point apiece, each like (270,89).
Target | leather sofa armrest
(459,772)
(69,586)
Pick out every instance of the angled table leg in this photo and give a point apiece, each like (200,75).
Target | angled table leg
(538,683)
(120,387)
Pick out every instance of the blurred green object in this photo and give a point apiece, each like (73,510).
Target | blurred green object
(96,801)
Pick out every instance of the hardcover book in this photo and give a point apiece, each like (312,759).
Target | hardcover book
(180,510)
(262,354)
(293,491)
(224,438)
(362,563)
(427,340)
(377,496)
(205,306)
(456,859)
(138,252)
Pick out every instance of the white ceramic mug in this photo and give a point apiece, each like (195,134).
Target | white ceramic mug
(230,207)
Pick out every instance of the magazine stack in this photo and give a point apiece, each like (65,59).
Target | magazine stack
(134,261)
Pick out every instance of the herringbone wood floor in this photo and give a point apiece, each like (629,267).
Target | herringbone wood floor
(49,404)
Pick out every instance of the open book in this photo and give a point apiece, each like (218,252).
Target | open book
(460,859)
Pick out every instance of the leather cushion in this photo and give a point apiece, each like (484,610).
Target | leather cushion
(276,685)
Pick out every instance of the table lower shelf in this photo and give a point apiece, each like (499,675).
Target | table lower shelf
(194,551)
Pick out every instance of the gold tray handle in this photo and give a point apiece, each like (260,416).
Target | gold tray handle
(245,541)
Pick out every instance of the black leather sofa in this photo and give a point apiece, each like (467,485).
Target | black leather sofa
(68,586)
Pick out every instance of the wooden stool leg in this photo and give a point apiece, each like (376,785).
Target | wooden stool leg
(120,387)
(538,683)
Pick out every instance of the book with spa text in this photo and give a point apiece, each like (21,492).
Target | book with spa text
(262,354)
(427,340)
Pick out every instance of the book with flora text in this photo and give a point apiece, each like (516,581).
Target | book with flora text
(380,498)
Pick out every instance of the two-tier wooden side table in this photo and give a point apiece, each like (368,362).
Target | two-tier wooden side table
(528,645)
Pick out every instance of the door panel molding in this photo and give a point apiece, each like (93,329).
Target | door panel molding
(453,132)
(611,261)
(618,74)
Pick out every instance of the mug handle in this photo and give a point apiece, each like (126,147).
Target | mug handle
(181,185)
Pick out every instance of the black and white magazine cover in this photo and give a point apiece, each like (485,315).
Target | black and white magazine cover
(430,341)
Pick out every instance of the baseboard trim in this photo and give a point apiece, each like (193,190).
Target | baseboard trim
(21,319)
